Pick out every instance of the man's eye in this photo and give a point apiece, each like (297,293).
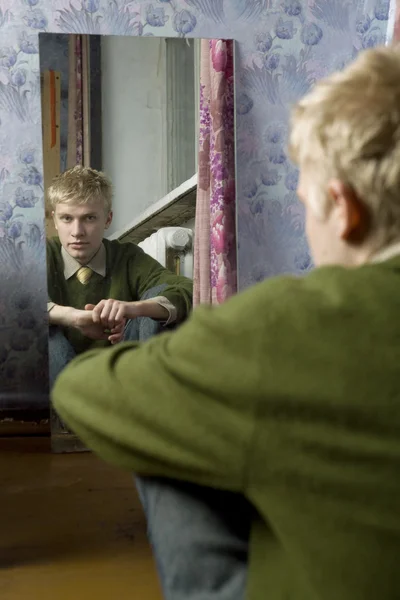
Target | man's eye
(91,218)
(66,219)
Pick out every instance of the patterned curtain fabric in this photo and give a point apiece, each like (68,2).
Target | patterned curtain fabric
(396,33)
(78,152)
(215,236)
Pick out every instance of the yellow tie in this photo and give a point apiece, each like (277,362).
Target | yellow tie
(84,274)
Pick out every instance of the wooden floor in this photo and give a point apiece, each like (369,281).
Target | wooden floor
(71,528)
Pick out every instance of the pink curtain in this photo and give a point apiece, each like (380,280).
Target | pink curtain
(396,35)
(215,237)
(78,152)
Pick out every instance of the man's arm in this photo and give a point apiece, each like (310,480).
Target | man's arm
(160,309)
(180,406)
(110,312)
(173,304)
(67,316)
(146,273)
(64,316)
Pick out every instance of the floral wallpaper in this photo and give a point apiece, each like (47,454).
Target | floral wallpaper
(283,46)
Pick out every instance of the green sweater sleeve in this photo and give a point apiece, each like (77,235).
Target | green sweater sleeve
(179,406)
(146,273)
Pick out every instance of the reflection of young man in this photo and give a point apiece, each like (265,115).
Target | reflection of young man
(95,285)
(289,394)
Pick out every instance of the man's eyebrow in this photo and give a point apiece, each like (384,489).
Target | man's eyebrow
(88,214)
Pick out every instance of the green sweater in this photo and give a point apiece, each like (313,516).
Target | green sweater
(129,273)
(289,394)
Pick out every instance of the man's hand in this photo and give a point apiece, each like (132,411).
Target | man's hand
(117,333)
(96,331)
(66,316)
(110,313)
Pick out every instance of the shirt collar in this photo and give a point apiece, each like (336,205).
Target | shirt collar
(387,253)
(97,263)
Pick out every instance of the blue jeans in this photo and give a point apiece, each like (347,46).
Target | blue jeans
(200,539)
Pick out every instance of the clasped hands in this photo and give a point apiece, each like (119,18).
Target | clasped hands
(106,320)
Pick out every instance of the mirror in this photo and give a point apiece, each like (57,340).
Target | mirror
(130,107)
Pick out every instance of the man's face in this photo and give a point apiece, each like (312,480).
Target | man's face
(81,227)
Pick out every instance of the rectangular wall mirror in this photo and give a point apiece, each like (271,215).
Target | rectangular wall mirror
(130,107)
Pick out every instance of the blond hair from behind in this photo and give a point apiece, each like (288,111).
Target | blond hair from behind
(348,128)
(80,185)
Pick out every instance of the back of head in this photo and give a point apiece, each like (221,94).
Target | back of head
(348,128)
(80,185)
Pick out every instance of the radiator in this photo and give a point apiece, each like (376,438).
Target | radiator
(173,248)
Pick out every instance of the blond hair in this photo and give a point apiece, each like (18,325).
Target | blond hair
(348,128)
(80,185)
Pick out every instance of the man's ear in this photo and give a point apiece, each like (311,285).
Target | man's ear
(53,214)
(109,220)
(351,214)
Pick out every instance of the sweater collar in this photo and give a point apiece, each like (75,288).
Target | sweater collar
(97,263)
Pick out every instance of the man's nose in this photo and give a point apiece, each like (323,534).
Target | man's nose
(78,229)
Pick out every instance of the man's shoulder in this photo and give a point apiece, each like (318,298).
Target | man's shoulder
(288,289)
(338,285)
(325,281)
(124,248)
(287,317)
(121,252)
(315,296)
